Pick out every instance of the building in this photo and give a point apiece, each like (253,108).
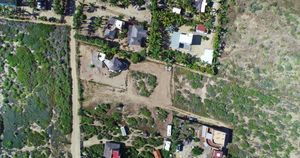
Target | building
(167,145)
(115,65)
(213,138)
(123,131)
(217,154)
(169,130)
(208,56)
(200,5)
(112,150)
(112,27)
(136,35)
(8,3)
(176,10)
(181,40)
(201,29)
(156,154)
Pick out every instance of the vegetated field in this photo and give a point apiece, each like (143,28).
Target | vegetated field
(36,86)
(146,129)
(262,52)
(263,46)
(190,91)
(262,121)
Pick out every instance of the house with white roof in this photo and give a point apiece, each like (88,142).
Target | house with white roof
(167,145)
(181,40)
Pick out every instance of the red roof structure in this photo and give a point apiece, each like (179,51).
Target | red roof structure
(217,154)
(200,28)
(157,154)
(115,154)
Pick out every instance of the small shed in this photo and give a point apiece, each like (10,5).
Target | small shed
(176,10)
(201,29)
(167,145)
(123,131)
(169,130)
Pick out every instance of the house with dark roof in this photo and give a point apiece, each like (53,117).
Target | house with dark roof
(112,150)
(200,5)
(112,27)
(115,65)
(136,35)
(9,3)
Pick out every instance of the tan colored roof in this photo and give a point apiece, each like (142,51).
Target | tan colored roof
(219,137)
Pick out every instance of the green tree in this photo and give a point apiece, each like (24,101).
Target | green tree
(197,151)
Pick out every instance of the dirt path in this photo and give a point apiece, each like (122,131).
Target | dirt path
(75,139)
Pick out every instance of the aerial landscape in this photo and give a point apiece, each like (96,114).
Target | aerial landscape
(149,78)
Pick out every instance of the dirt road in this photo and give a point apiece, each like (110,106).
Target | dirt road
(75,139)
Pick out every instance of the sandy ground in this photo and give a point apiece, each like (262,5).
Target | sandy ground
(161,91)
(99,74)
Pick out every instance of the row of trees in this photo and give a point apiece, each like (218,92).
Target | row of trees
(111,49)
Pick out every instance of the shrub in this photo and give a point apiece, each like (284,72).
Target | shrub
(197,151)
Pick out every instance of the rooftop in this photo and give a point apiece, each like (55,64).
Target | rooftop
(136,35)
(208,55)
(112,149)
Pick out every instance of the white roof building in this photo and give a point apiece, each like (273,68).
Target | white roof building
(167,145)
(208,55)
(119,24)
(186,38)
(176,10)
(101,56)
(203,6)
(169,130)
(123,131)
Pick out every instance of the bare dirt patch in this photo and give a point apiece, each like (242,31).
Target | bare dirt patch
(98,93)
(91,69)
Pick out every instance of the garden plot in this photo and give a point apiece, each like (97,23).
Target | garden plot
(144,83)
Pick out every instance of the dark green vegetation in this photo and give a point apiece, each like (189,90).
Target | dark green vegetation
(145,83)
(197,151)
(59,6)
(94,151)
(105,120)
(36,83)
(79,17)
